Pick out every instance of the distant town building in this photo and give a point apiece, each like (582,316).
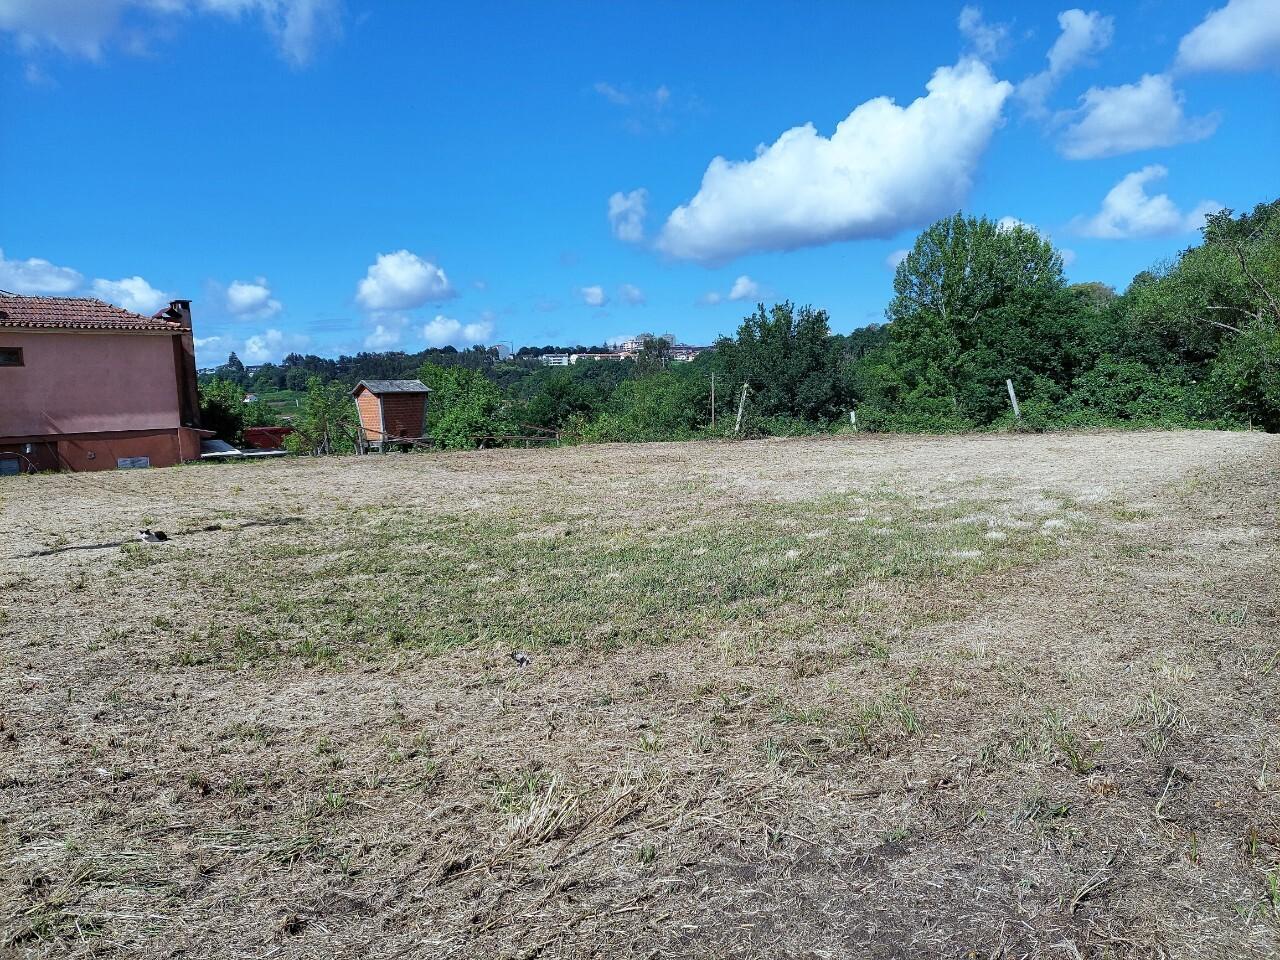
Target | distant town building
(636,344)
(612,355)
(628,349)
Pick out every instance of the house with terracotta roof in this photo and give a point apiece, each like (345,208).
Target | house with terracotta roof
(85,385)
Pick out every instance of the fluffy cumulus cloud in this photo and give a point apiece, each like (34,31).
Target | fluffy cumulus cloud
(271,345)
(132,293)
(252,298)
(1243,35)
(895,257)
(629,293)
(627,213)
(443,331)
(886,168)
(987,40)
(87,28)
(1129,211)
(744,288)
(1083,34)
(37,276)
(594,296)
(402,281)
(1133,116)
(383,337)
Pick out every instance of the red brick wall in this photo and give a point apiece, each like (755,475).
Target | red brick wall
(370,414)
(402,413)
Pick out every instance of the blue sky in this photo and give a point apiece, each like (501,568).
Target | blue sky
(331,175)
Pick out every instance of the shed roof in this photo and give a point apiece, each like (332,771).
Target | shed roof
(80,313)
(391,386)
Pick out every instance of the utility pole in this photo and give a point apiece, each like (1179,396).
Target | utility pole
(742,402)
(713,399)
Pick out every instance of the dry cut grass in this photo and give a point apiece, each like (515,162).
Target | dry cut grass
(879,697)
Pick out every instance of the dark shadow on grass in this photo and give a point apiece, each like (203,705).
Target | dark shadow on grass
(211,528)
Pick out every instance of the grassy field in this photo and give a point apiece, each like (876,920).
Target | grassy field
(871,697)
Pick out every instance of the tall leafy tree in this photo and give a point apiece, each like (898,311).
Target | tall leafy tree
(464,406)
(789,361)
(975,303)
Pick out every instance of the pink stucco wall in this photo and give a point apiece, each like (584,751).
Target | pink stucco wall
(81,382)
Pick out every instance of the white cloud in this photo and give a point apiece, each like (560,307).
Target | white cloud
(1129,211)
(443,331)
(402,281)
(1068,256)
(613,94)
(35,275)
(252,299)
(627,213)
(1082,34)
(884,169)
(85,28)
(270,345)
(132,293)
(895,258)
(70,26)
(1243,35)
(1133,116)
(744,288)
(988,40)
(594,296)
(645,110)
(1008,223)
(383,337)
(296,25)
(630,293)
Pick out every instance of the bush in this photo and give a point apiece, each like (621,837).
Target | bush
(222,409)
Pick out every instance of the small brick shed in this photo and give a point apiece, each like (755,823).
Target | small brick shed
(391,410)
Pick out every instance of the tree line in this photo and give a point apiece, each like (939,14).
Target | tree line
(1192,342)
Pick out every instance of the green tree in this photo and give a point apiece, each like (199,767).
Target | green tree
(325,421)
(789,361)
(974,303)
(259,413)
(222,409)
(464,406)
(667,405)
(1215,311)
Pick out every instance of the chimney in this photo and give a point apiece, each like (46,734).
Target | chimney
(179,310)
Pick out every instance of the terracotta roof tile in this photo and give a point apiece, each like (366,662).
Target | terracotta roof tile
(79,313)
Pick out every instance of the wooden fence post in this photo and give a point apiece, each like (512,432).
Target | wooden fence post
(742,402)
(1013,398)
(713,399)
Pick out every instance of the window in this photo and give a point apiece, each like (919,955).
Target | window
(10,356)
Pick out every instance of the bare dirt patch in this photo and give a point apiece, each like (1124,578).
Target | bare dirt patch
(881,697)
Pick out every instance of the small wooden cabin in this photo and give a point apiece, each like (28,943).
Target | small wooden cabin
(391,411)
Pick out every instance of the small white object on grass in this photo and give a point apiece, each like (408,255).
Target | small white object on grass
(152,536)
(521,658)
